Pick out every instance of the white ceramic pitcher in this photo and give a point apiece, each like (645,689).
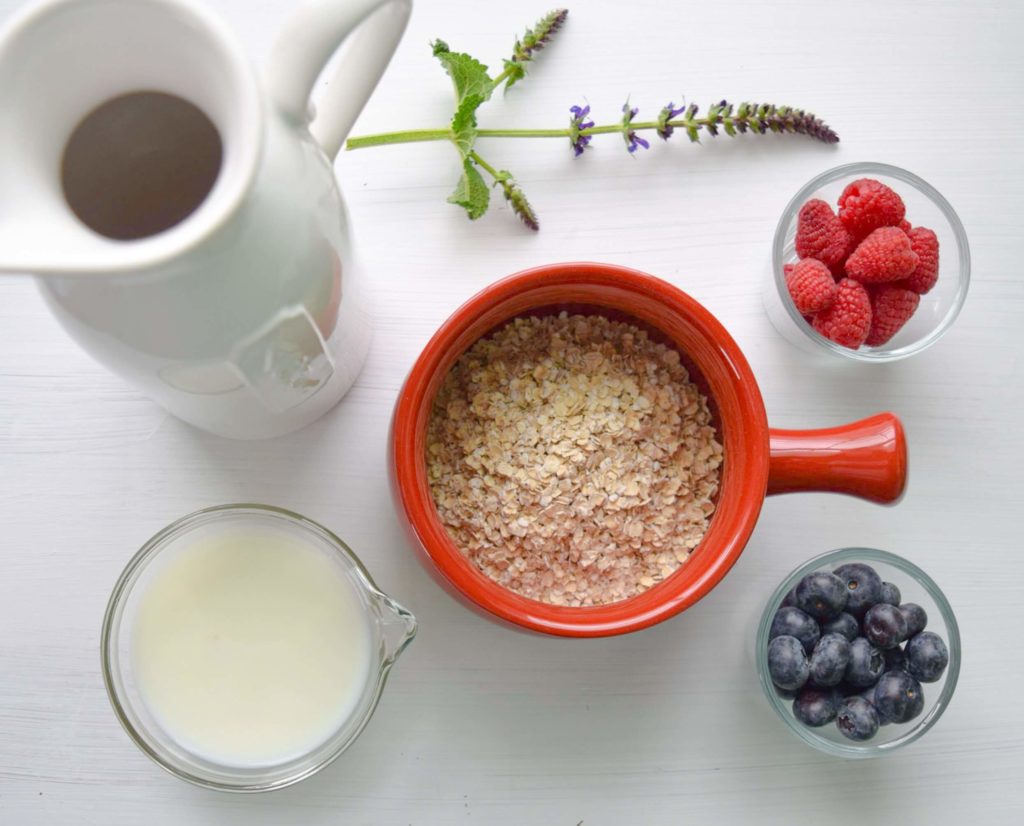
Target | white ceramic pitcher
(245,318)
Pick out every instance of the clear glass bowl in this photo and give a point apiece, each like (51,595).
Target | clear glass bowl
(915,586)
(392,629)
(925,207)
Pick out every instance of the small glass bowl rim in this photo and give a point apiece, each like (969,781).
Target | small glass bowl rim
(782,707)
(152,547)
(859,169)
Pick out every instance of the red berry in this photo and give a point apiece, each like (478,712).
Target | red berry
(820,234)
(867,204)
(904,225)
(885,255)
(848,320)
(925,245)
(891,308)
(811,286)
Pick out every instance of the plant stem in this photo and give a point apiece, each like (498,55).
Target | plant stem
(490,170)
(384,138)
(410,136)
(501,78)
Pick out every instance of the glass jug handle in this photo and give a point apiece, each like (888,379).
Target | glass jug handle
(310,38)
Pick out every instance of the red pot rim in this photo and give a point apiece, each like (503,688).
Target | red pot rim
(743,427)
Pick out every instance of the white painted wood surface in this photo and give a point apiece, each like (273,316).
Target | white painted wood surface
(480,724)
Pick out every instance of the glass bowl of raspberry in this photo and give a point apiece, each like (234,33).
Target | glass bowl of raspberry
(898,258)
(883,694)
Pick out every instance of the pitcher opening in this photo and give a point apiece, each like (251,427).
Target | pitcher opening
(84,85)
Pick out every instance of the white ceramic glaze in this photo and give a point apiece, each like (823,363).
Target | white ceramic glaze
(246,318)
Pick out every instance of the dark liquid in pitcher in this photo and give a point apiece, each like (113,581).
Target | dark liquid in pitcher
(140,163)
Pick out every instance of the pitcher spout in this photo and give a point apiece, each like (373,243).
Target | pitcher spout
(397,624)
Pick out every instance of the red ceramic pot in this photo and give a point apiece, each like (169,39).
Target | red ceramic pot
(866,458)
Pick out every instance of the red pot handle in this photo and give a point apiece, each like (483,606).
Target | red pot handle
(867,458)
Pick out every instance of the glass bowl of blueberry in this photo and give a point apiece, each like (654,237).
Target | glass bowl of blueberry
(858,651)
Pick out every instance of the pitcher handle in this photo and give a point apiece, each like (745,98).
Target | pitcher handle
(308,41)
(867,458)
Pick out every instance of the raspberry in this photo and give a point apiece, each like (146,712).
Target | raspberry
(811,286)
(867,204)
(925,245)
(905,225)
(885,255)
(820,234)
(891,308)
(848,320)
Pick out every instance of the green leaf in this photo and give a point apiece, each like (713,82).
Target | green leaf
(469,75)
(464,124)
(472,87)
(472,193)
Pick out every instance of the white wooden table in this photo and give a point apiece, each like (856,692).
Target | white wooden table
(480,724)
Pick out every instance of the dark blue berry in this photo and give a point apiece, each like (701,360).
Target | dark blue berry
(868,694)
(916,618)
(845,624)
(866,664)
(927,656)
(898,697)
(793,622)
(864,586)
(857,719)
(829,660)
(890,594)
(821,595)
(815,707)
(787,663)
(894,659)
(884,625)
(789,601)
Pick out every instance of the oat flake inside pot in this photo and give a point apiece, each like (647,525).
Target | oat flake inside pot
(572,459)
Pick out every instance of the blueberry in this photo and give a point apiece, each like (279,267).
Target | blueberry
(927,656)
(815,707)
(789,601)
(829,660)
(895,660)
(785,693)
(857,719)
(916,618)
(866,664)
(787,663)
(821,595)
(890,594)
(868,694)
(845,624)
(898,697)
(885,626)
(864,585)
(795,623)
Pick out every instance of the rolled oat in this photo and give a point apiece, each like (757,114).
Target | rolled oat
(572,459)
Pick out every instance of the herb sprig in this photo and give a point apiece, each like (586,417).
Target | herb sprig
(474,86)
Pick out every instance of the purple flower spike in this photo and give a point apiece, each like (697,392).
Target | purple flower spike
(632,139)
(576,125)
(665,129)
